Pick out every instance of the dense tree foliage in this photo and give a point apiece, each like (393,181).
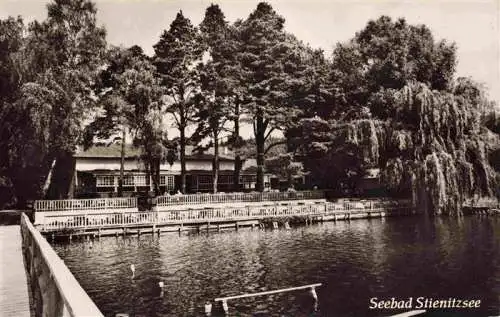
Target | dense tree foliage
(387,55)
(271,64)
(396,105)
(15,130)
(389,98)
(130,95)
(48,71)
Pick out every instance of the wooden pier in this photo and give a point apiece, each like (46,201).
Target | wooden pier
(202,212)
(482,206)
(14,294)
(96,224)
(56,292)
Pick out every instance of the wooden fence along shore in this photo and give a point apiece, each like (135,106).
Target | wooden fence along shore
(197,199)
(112,216)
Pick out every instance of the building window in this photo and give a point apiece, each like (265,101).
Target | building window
(225,179)
(204,179)
(168,181)
(128,180)
(248,179)
(140,180)
(105,181)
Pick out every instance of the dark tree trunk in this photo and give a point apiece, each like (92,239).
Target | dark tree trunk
(156,176)
(149,168)
(289,180)
(215,169)
(237,173)
(260,140)
(122,165)
(182,129)
(237,158)
(61,177)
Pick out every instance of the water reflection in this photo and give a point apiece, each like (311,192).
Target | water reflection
(355,261)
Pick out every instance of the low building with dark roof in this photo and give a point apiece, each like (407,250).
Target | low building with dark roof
(97,171)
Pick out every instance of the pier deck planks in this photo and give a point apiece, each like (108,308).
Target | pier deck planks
(14,298)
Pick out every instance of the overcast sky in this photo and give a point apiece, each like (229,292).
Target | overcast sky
(473,25)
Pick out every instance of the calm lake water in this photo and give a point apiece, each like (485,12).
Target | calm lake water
(398,257)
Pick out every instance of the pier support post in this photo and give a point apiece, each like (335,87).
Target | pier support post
(312,291)
(225,307)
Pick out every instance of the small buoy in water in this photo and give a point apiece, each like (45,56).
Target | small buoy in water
(132,268)
(208,308)
(161,284)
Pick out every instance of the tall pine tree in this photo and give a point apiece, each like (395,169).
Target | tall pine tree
(219,84)
(177,55)
(270,59)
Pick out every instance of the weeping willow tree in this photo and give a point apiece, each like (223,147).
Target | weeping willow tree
(433,149)
(442,153)
(395,104)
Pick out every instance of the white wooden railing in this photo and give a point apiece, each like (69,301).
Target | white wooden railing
(85,204)
(55,290)
(482,202)
(239,213)
(83,220)
(195,199)
(96,220)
